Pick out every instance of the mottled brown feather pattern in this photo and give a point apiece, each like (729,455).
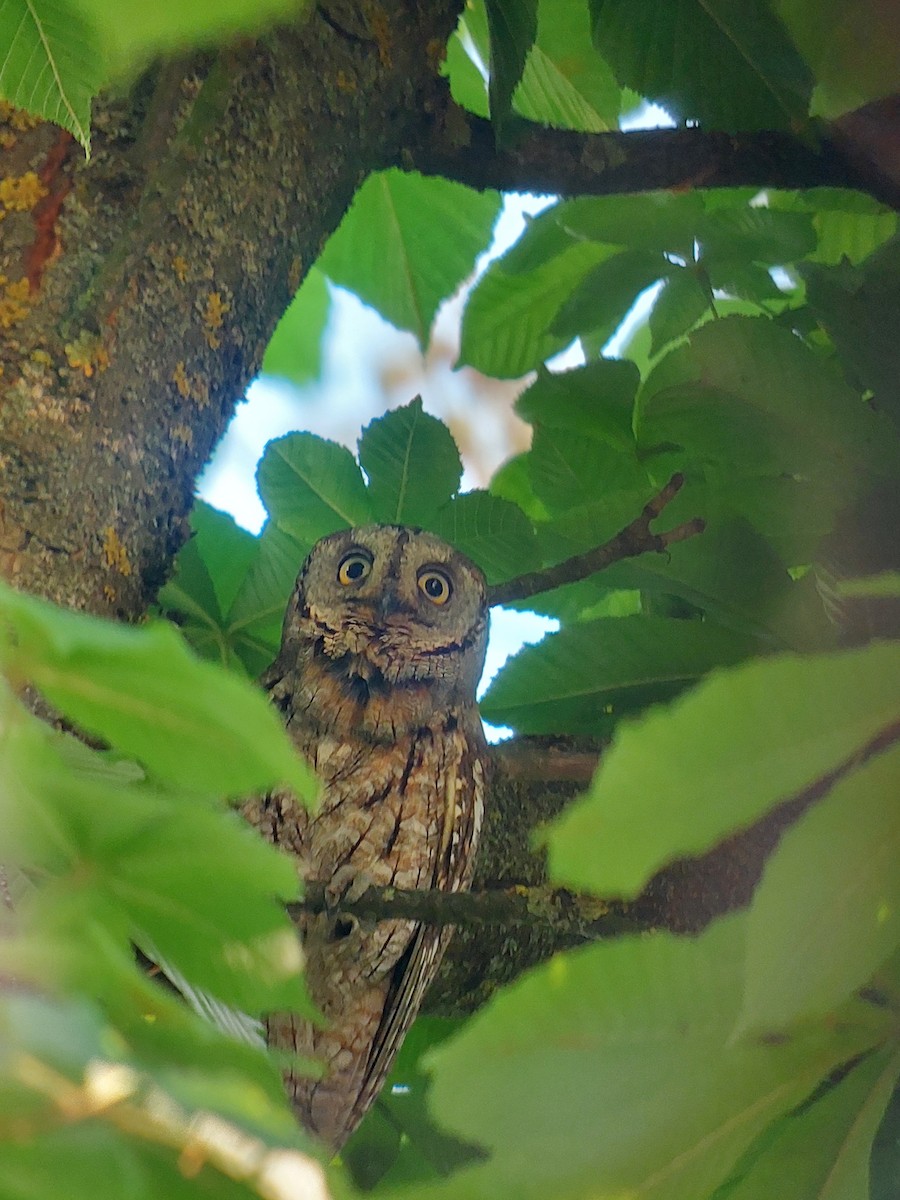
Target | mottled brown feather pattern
(376,682)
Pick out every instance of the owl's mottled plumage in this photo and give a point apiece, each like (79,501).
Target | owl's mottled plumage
(376,681)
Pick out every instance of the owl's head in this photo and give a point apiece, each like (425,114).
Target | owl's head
(393,605)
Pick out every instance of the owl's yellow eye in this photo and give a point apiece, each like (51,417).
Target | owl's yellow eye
(353,567)
(436,585)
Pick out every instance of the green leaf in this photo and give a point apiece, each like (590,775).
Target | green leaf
(681,303)
(656,221)
(506,324)
(134,32)
(854,52)
(408,242)
(209,570)
(848,225)
(822,1149)
(412,463)
(311,487)
(493,532)
(855,304)
(294,351)
(680,779)
(52,63)
(467,84)
(600,302)
(255,619)
(131,1125)
(190,723)
(566,84)
(512,25)
(727,64)
(585,677)
(611,1071)
(732,573)
(774,398)
(110,860)
(826,914)
(757,234)
(596,400)
(399,1143)
(590,488)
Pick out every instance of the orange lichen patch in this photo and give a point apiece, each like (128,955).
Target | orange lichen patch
(213,316)
(381,32)
(345,82)
(183,434)
(87,353)
(19,193)
(180,267)
(180,379)
(18,118)
(13,301)
(114,553)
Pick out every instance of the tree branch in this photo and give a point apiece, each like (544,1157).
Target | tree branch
(634,539)
(463,147)
(567,914)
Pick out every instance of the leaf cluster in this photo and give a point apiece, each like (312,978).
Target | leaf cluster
(103,1070)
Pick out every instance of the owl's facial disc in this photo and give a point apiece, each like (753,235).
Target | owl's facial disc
(395,605)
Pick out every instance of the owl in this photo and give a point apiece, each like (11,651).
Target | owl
(382,649)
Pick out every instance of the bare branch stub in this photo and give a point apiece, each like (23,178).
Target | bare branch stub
(636,538)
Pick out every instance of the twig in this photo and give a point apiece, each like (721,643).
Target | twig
(634,539)
(586,917)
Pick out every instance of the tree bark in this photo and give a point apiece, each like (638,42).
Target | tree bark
(138,290)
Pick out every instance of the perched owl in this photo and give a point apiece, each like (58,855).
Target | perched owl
(382,649)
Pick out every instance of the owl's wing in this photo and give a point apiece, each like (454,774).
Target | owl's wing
(231,1021)
(411,979)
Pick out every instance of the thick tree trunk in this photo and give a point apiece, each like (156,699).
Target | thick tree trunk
(138,290)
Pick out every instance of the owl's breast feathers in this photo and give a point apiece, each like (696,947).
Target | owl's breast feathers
(402,801)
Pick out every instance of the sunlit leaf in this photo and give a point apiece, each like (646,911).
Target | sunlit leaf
(189,722)
(584,678)
(822,1149)
(513,27)
(611,1071)
(52,62)
(565,82)
(311,487)
(826,914)
(412,464)
(680,779)
(726,64)
(135,31)
(506,325)
(407,243)
(295,349)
